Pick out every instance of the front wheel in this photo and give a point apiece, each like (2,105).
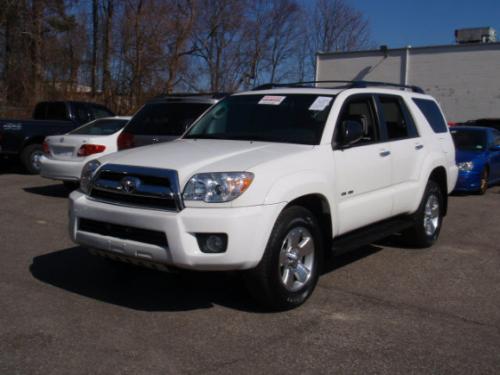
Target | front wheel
(289,269)
(428,218)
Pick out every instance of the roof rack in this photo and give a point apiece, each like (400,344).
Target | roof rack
(344,84)
(215,95)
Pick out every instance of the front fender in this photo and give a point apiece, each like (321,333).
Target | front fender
(298,184)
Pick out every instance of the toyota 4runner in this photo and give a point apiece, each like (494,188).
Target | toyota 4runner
(270,181)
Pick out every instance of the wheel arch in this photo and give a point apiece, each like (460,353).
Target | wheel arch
(439,176)
(318,204)
(33,140)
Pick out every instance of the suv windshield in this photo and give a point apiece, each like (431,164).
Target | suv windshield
(287,118)
(100,127)
(165,118)
(468,139)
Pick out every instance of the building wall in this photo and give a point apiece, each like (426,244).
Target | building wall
(464,78)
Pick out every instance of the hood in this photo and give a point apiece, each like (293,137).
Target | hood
(190,156)
(466,155)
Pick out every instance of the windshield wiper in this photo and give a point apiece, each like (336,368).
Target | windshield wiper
(205,136)
(250,137)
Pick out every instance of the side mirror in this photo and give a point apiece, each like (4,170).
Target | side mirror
(351,132)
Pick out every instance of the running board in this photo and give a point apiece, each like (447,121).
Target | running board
(369,234)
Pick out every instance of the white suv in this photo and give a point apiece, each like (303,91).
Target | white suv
(269,181)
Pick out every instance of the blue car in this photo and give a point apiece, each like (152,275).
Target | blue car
(477,156)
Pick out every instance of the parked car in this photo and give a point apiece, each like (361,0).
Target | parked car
(478,157)
(24,138)
(270,181)
(65,155)
(165,118)
(485,122)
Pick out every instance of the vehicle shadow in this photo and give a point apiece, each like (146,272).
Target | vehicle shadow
(11,165)
(54,190)
(77,271)
(334,262)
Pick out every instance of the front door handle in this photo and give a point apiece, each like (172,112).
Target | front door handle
(384,153)
(419,147)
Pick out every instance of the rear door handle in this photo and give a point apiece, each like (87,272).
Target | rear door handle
(419,147)
(384,153)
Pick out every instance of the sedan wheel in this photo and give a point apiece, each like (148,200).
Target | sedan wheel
(483,185)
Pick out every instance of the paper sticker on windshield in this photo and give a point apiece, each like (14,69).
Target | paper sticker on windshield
(272,100)
(320,103)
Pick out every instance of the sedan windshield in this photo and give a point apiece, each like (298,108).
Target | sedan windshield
(100,127)
(470,140)
(287,118)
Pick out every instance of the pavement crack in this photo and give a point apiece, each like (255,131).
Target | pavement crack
(410,307)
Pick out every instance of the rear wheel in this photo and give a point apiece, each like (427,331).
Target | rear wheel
(428,218)
(483,182)
(289,269)
(31,156)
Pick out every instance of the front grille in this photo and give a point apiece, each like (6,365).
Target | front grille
(123,232)
(137,186)
(134,200)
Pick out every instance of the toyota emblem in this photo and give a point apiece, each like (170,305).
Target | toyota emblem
(130,184)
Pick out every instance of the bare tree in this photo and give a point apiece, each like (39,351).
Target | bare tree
(336,26)
(95,24)
(217,39)
(108,11)
(134,49)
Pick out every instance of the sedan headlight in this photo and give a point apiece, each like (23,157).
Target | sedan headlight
(88,173)
(466,166)
(217,187)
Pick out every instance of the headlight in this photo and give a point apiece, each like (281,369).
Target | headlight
(466,166)
(217,187)
(88,172)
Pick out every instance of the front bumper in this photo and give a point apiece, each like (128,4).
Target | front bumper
(468,181)
(65,170)
(247,228)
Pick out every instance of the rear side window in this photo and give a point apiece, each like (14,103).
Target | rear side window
(432,114)
(82,113)
(100,127)
(169,119)
(398,121)
(100,111)
(51,111)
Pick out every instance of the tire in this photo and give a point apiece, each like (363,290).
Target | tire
(283,279)
(70,185)
(30,158)
(428,219)
(483,182)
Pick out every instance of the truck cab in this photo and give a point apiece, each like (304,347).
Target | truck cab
(24,138)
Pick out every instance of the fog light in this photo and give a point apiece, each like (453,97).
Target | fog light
(212,242)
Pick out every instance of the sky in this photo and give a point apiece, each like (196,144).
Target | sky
(398,23)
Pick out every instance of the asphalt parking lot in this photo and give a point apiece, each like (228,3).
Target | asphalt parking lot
(381,309)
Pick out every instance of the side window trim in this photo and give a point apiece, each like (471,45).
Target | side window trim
(410,121)
(373,107)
